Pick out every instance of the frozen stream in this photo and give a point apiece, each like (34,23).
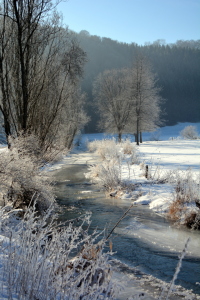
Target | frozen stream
(144,242)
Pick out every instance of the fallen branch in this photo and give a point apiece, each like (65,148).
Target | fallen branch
(126,212)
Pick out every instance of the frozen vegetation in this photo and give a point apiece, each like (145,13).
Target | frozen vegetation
(40,259)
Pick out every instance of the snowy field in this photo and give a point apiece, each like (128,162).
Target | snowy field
(171,151)
(172,154)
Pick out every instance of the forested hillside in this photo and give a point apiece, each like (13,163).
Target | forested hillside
(176,65)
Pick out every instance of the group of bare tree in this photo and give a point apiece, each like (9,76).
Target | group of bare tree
(40,67)
(128,99)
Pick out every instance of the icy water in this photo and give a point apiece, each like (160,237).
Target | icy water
(146,245)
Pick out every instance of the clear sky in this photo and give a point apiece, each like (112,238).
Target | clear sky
(136,21)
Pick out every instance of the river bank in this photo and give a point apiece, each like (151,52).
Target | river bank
(158,244)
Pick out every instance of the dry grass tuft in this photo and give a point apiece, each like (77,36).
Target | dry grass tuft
(175,210)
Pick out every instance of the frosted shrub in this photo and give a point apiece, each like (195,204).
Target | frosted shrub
(106,149)
(127,147)
(131,152)
(189,132)
(92,146)
(29,145)
(41,260)
(107,174)
(26,145)
(187,189)
(186,194)
(21,181)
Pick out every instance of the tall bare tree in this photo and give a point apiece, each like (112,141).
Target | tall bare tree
(110,91)
(144,97)
(128,99)
(40,64)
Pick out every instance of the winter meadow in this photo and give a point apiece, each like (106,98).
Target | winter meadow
(99,163)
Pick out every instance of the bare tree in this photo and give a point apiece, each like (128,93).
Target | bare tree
(110,91)
(40,64)
(144,97)
(128,100)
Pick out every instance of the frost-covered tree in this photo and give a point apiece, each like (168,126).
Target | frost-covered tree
(144,97)
(40,66)
(110,91)
(128,99)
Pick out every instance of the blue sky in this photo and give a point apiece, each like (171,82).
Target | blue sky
(136,21)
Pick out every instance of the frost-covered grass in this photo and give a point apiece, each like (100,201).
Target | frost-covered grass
(41,260)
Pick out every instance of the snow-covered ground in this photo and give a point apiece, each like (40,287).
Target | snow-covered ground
(172,154)
(163,158)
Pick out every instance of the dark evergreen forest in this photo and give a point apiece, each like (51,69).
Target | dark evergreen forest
(177,67)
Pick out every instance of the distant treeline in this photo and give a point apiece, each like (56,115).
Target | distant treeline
(176,65)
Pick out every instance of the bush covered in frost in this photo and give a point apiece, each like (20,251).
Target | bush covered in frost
(21,179)
(106,149)
(185,207)
(108,172)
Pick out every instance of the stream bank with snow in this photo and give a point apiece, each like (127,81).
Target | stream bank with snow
(144,242)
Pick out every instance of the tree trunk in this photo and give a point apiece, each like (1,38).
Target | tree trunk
(140,137)
(23,69)
(6,126)
(7,131)
(137,132)
(119,136)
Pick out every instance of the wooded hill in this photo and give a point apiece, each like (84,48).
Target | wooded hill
(176,65)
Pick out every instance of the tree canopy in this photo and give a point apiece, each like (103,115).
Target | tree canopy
(40,66)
